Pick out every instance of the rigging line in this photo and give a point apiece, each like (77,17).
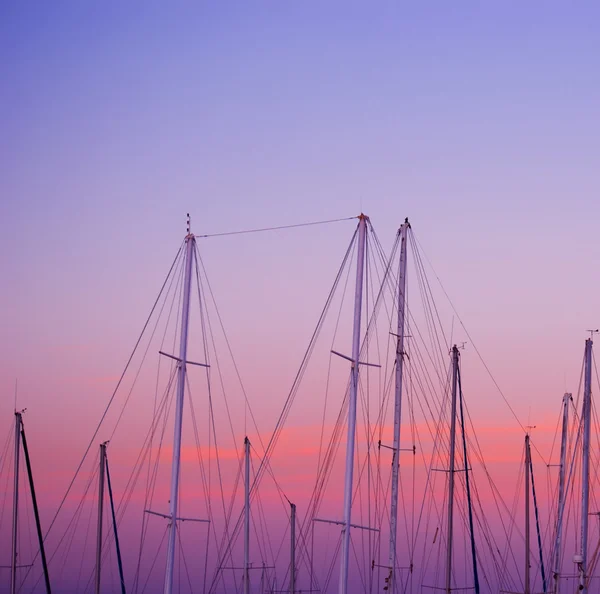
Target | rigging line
(160,416)
(156,390)
(327,383)
(4,465)
(205,481)
(153,564)
(290,398)
(479,454)
(107,406)
(134,477)
(280,227)
(476,349)
(73,523)
(208,339)
(185,565)
(145,448)
(207,334)
(140,366)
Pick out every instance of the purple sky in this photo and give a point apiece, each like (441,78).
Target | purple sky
(478,121)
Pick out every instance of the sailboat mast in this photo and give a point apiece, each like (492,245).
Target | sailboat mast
(527,534)
(13,566)
(100,515)
(115,531)
(190,241)
(561,491)
(36,511)
(398,401)
(587,423)
(362,232)
(451,471)
(247,516)
(293,548)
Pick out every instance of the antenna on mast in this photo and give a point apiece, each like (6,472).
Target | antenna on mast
(460,345)
(189,223)
(592,332)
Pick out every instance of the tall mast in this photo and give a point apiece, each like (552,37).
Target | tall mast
(561,491)
(587,423)
(362,232)
(398,401)
(247,516)
(293,548)
(36,511)
(100,514)
(527,536)
(190,241)
(451,472)
(13,566)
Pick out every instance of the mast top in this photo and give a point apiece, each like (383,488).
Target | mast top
(362,216)
(188,227)
(405,224)
(592,332)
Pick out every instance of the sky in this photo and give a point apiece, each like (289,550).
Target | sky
(478,121)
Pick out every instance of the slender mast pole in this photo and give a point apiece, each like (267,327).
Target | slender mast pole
(561,491)
(115,530)
(362,232)
(527,536)
(247,516)
(13,566)
(398,402)
(587,423)
(36,511)
(451,472)
(100,514)
(293,549)
(190,241)
(468,487)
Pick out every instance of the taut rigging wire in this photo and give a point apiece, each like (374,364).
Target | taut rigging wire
(279,228)
(477,350)
(70,486)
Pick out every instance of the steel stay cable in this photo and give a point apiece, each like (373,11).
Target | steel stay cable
(289,401)
(260,230)
(70,486)
(477,350)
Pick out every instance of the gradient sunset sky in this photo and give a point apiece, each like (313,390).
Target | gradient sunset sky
(477,120)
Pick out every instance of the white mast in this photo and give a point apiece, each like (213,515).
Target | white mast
(561,491)
(100,514)
(527,522)
(190,241)
(13,566)
(247,516)
(362,231)
(451,472)
(585,504)
(398,402)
